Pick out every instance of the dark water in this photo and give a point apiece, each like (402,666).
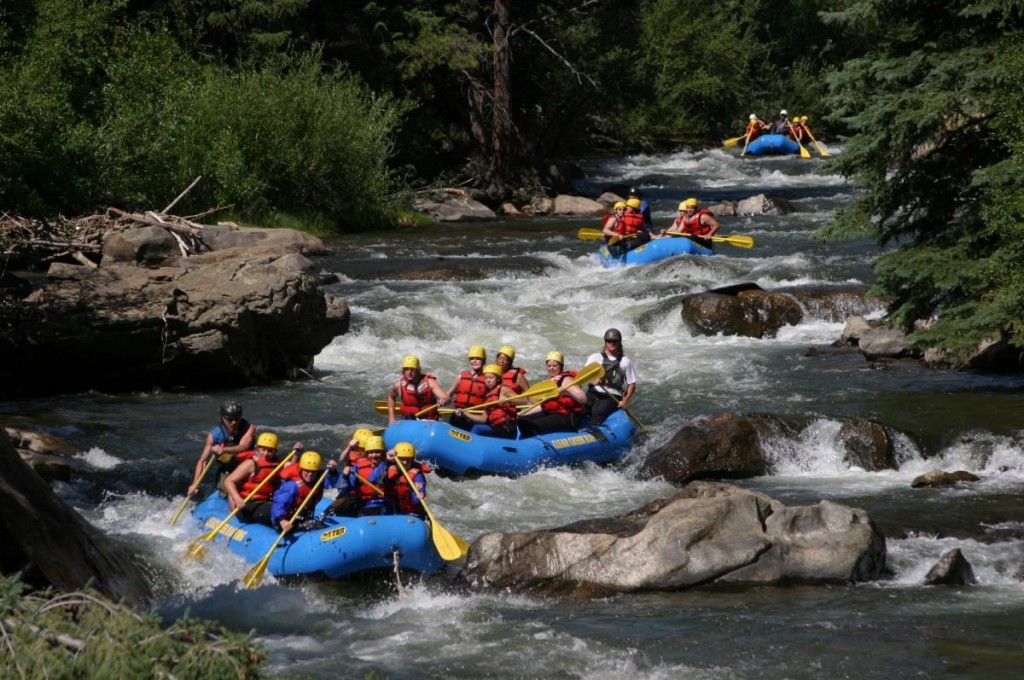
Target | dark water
(534,285)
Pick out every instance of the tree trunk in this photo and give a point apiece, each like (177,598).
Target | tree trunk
(501,120)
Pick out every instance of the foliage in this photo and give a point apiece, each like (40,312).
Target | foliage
(935,105)
(83,635)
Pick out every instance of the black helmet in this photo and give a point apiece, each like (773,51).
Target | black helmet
(612,334)
(230,409)
(633,191)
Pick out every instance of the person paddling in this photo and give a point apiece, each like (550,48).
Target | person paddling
(407,500)
(699,225)
(513,377)
(293,493)
(499,419)
(255,467)
(469,388)
(231,436)
(414,392)
(560,414)
(616,389)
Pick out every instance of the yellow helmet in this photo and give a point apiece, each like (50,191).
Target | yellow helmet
(493,368)
(619,205)
(689,204)
(311,460)
(555,355)
(373,443)
(411,362)
(803,119)
(360,436)
(267,440)
(405,450)
(476,352)
(633,203)
(509,351)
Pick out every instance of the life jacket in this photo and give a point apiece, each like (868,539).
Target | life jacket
(510,379)
(692,224)
(289,471)
(754,129)
(304,490)
(367,495)
(631,223)
(263,469)
(470,390)
(563,404)
(220,434)
(404,495)
(416,396)
(614,380)
(796,132)
(500,414)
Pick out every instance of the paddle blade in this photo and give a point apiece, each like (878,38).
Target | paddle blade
(588,234)
(738,241)
(196,550)
(447,546)
(588,374)
(804,153)
(381,407)
(254,577)
(733,142)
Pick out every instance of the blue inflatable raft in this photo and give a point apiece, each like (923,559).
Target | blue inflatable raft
(772,145)
(458,452)
(653,251)
(344,546)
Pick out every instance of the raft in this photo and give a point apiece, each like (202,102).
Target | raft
(654,251)
(457,452)
(772,145)
(344,546)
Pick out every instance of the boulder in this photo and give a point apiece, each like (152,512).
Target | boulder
(882,342)
(215,323)
(51,458)
(952,569)
(936,478)
(752,312)
(706,534)
(577,205)
(834,303)
(452,205)
(738,446)
(763,205)
(539,205)
(51,545)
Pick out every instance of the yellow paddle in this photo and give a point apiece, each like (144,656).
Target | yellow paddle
(181,508)
(804,153)
(587,374)
(738,241)
(196,548)
(449,546)
(824,154)
(733,141)
(546,389)
(746,143)
(254,576)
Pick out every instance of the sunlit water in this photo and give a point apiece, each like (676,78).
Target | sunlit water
(533,284)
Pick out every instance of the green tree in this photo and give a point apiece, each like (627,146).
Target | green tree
(935,110)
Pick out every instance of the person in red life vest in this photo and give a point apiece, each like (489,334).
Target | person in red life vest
(407,500)
(469,388)
(367,475)
(294,492)
(414,392)
(616,389)
(796,129)
(560,414)
(254,467)
(693,222)
(630,230)
(232,435)
(755,128)
(497,420)
(346,504)
(645,208)
(511,376)
(610,222)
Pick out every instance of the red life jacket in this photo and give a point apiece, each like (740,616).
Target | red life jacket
(403,490)
(499,414)
(303,491)
(510,379)
(631,223)
(416,396)
(362,468)
(563,404)
(263,469)
(754,129)
(470,390)
(692,224)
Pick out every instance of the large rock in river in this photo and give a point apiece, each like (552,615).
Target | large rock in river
(51,545)
(221,319)
(708,533)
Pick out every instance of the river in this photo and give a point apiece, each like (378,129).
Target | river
(531,283)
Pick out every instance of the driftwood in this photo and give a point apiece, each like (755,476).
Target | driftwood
(78,238)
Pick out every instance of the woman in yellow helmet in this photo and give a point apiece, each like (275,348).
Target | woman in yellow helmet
(469,388)
(293,493)
(255,468)
(414,392)
(511,376)
(497,420)
(560,414)
(693,222)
